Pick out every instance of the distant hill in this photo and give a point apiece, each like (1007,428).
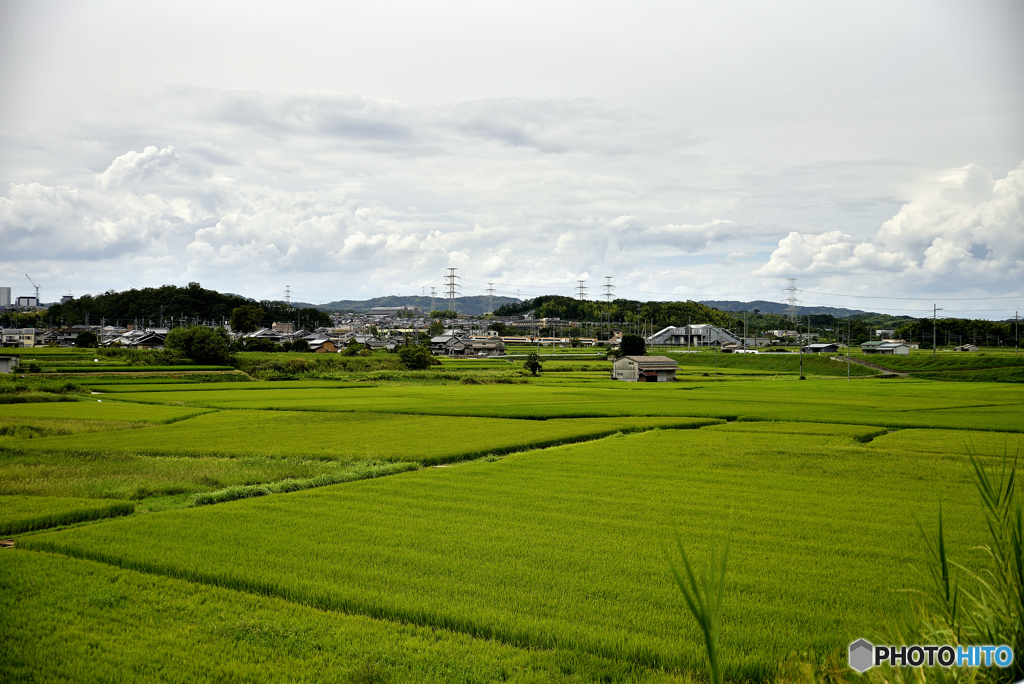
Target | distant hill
(780,308)
(470,306)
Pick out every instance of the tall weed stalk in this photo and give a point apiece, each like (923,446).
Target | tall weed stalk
(703,594)
(965,607)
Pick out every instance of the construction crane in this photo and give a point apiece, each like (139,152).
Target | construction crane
(36,286)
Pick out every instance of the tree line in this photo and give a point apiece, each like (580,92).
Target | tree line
(174,306)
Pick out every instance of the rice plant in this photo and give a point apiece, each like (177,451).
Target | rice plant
(703,593)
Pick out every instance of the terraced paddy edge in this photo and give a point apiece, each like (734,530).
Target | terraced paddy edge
(563,548)
(350,437)
(26,513)
(893,404)
(73,620)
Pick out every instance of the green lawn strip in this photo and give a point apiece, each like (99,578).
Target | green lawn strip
(26,513)
(962,442)
(859,433)
(97,368)
(563,548)
(153,482)
(425,439)
(945,361)
(771,363)
(157,385)
(1009,374)
(73,620)
(93,409)
(887,403)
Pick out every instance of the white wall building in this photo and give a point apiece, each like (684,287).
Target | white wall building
(703,335)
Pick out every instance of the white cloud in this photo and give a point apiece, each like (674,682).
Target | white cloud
(968,233)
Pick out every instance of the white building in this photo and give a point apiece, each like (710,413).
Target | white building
(703,335)
(5,296)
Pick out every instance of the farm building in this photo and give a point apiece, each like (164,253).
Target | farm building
(878,347)
(967,348)
(820,348)
(8,364)
(703,335)
(644,369)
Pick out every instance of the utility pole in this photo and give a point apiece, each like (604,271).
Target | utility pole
(1016,335)
(451,287)
(490,298)
(801,346)
(935,340)
(848,340)
(288,295)
(581,290)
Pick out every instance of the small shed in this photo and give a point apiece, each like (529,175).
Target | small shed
(644,369)
(822,347)
(967,348)
(8,364)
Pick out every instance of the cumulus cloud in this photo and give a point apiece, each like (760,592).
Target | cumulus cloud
(970,231)
(355,195)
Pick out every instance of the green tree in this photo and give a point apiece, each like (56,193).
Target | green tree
(300,345)
(199,343)
(633,345)
(532,363)
(416,358)
(85,339)
(436,328)
(246,319)
(444,313)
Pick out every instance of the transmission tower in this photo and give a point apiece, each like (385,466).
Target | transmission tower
(581,290)
(608,287)
(792,299)
(288,295)
(490,297)
(451,287)
(433,296)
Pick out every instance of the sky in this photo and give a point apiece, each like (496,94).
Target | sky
(874,151)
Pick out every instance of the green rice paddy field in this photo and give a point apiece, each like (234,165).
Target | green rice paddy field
(413,531)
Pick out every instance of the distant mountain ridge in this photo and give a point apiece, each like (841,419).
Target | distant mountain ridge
(470,306)
(766,307)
